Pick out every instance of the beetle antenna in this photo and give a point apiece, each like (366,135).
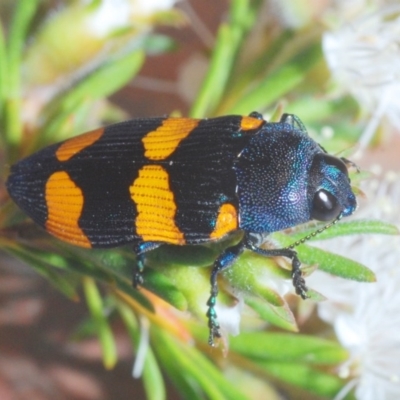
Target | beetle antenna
(315,233)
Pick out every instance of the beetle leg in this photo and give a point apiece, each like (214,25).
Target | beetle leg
(224,261)
(140,250)
(298,281)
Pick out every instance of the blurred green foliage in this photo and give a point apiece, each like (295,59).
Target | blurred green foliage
(180,276)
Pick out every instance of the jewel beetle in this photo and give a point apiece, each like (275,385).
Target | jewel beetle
(150,181)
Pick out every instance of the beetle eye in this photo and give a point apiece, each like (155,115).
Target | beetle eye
(325,206)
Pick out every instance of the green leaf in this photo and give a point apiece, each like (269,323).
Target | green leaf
(80,262)
(278,83)
(102,82)
(288,347)
(162,286)
(260,66)
(152,377)
(126,287)
(60,281)
(281,317)
(195,369)
(315,296)
(327,261)
(217,76)
(244,78)
(304,376)
(107,79)
(313,109)
(23,14)
(335,264)
(194,255)
(104,332)
(3,75)
(226,48)
(254,273)
(93,263)
(84,330)
(256,387)
(182,380)
(349,228)
(156,44)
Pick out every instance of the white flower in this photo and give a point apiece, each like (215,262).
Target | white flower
(229,316)
(370,333)
(364,58)
(366,316)
(111,15)
(108,16)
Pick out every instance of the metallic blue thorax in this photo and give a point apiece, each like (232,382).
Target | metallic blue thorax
(278,173)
